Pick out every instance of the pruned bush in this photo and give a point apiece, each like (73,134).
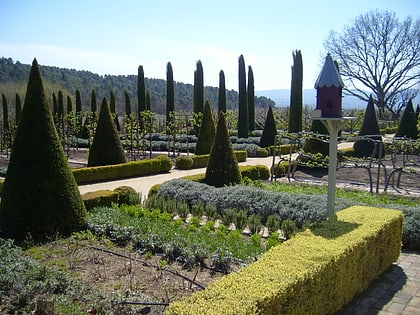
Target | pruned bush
(99,198)
(127,195)
(184,162)
(261,152)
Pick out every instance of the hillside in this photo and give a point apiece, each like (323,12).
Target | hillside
(14,76)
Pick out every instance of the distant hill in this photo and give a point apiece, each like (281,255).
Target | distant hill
(14,76)
(282,98)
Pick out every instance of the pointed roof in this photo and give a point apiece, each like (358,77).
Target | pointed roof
(329,75)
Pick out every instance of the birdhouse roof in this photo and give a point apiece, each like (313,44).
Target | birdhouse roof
(329,75)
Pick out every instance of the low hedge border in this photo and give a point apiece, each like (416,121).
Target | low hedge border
(184,162)
(160,164)
(100,198)
(317,272)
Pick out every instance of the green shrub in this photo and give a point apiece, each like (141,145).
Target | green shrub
(127,195)
(184,162)
(280,169)
(255,172)
(106,146)
(261,152)
(200,160)
(160,164)
(207,131)
(316,272)
(40,196)
(100,198)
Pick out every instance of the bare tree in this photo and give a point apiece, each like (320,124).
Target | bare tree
(379,55)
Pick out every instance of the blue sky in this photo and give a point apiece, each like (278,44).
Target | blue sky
(115,37)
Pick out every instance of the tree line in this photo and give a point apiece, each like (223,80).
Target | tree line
(14,75)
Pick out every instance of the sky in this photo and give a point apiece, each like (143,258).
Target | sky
(115,37)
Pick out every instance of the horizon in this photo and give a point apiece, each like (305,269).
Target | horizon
(110,38)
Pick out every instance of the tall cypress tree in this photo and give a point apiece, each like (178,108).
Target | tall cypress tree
(106,146)
(243,104)
(270,131)
(207,131)
(222,168)
(408,123)
(55,106)
(370,131)
(251,100)
(147,101)
(113,110)
(79,114)
(69,104)
(170,98)
(40,196)
(295,114)
(198,88)
(60,104)
(127,103)
(222,93)
(6,125)
(18,109)
(141,91)
(93,104)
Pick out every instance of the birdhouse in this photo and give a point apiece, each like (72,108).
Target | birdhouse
(329,86)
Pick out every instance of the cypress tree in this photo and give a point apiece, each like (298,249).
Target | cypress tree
(40,196)
(141,91)
(270,131)
(251,100)
(55,106)
(222,168)
(170,99)
(127,103)
(243,106)
(207,131)
(370,131)
(79,115)
(408,123)
(69,105)
(199,88)
(113,111)
(295,115)
(93,104)
(222,93)
(18,109)
(106,146)
(6,125)
(78,102)
(60,105)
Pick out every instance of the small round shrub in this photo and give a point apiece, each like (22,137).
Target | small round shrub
(184,162)
(127,195)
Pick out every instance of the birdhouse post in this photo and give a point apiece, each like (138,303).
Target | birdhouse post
(329,86)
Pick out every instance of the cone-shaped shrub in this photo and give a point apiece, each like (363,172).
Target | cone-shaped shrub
(106,145)
(370,132)
(40,196)
(222,168)
(408,123)
(270,131)
(207,131)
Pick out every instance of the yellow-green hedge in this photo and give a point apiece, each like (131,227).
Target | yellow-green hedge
(317,272)
(160,164)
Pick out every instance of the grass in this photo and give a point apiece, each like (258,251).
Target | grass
(354,195)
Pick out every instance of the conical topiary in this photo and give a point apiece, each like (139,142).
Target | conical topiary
(207,131)
(222,168)
(106,145)
(370,134)
(408,124)
(40,196)
(269,133)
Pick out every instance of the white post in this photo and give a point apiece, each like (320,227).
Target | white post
(332,168)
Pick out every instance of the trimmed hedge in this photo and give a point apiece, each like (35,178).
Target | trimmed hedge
(183,162)
(160,164)
(317,272)
(100,198)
